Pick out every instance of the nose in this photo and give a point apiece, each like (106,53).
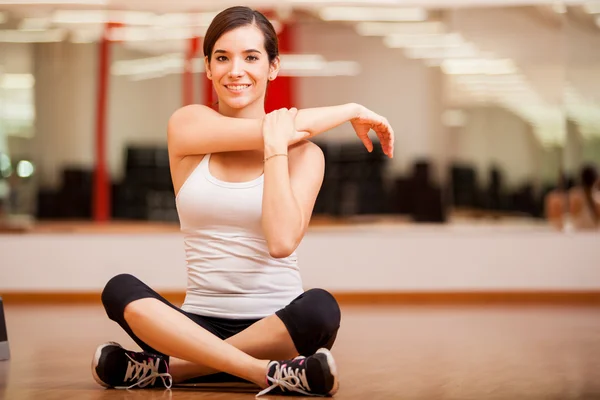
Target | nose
(236,70)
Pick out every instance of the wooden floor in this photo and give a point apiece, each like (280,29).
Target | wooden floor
(383,352)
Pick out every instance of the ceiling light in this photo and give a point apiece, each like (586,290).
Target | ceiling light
(102,17)
(390,28)
(478,66)
(467,50)
(34,24)
(444,40)
(16,81)
(144,34)
(91,34)
(372,14)
(48,36)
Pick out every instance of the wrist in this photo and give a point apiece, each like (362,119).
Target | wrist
(275,148)
(354,110)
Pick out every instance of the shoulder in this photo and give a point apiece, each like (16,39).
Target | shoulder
(305,151)
(576,193)
(188,114)
(306,163)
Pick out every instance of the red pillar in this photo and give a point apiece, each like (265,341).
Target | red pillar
(209,96)
(188,73)
(281,91)
(102,187)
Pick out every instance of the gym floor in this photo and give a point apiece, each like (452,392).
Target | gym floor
(383,352)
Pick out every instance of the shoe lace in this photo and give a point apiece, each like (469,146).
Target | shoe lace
(289,378)
(145,373)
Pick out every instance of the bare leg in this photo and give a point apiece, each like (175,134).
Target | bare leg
(172,333)
(267,339)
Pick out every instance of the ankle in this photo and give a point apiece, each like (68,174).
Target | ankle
(260,376)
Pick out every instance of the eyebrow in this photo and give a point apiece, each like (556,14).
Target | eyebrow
(245,51)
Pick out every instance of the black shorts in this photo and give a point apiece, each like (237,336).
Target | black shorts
(312,319)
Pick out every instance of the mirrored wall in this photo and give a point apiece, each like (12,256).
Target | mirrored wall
(495,108)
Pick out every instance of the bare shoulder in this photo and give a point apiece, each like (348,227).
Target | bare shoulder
(188,114)
(305,152)
(576,194)
(306,165)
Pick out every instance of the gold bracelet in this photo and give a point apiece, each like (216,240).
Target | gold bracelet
(275,155)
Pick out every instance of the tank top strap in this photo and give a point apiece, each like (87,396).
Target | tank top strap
(204,162)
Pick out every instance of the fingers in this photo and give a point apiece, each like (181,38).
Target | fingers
(284,112)
(389,139)
(299,136)
(367,142)
(385,134)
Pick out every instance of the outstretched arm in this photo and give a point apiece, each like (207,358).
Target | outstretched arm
(198,129)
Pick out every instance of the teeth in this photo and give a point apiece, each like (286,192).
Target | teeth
(238,87)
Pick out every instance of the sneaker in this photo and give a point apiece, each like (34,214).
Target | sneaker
(311,376)
(115,367)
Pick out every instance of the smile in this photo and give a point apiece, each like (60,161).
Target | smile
(237,88)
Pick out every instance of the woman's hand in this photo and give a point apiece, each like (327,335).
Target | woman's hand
(279,130)
(366,120)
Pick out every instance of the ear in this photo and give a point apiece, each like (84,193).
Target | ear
(207,68)
(274,68)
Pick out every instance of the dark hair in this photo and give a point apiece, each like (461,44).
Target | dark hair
(588,177)
(235,17)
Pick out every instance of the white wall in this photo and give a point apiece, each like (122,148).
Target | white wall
(381,258)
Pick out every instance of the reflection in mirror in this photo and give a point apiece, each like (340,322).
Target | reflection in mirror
(582,103)
(17,119)
(505,153)
(489,123)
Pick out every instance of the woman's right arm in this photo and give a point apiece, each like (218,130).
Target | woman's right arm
(198,129)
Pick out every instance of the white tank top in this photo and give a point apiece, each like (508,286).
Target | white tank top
(230,271)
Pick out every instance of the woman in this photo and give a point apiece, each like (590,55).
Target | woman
(245,185)
(584,210)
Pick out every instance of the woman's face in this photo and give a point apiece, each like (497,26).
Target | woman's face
(240,69)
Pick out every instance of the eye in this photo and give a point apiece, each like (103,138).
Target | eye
(221,58)
(252,58)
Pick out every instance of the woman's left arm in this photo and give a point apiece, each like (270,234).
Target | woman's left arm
(292,182)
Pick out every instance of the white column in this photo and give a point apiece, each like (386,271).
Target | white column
(65,98)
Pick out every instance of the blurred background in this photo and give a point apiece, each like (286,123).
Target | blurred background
(495,104)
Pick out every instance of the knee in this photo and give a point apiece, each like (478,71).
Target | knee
(116,295)
(323,312)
